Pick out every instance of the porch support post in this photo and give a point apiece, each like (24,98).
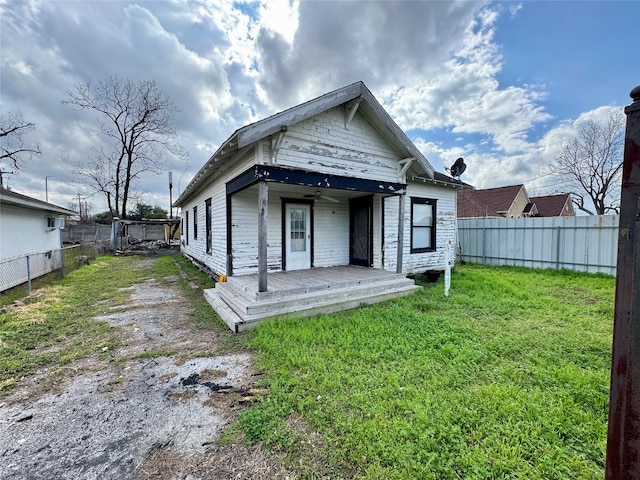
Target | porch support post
(400,233)
(263,202)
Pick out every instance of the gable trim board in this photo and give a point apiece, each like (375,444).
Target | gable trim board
(328,153)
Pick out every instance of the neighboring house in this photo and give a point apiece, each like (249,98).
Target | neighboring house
(554,205)
(27,227)
(511,201)
(322,184)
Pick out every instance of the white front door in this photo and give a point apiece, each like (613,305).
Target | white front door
(297,236)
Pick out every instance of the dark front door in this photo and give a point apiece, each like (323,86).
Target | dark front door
(361,231)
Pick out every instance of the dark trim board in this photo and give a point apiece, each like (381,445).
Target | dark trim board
(268,173)
(229,238)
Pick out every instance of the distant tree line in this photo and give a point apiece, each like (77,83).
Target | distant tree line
(142,211)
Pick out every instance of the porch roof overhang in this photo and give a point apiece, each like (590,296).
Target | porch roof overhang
(269,173)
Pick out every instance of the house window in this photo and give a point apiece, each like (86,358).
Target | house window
(208,219)
(423,225)
(51,222)
(186,222)
(195,223)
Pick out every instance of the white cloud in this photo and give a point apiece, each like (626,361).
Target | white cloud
(433,65)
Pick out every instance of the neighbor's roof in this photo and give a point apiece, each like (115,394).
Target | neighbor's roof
(490,202)
(9,197)
(251,133)
(554,205)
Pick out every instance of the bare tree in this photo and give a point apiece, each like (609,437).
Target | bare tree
(592,161)
(12,147)
(82,207)
(136,119)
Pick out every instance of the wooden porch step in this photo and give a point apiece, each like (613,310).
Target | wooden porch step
(241,314)
(332,284)
(243,304)
(230,317)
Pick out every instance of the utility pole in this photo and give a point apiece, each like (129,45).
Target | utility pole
(46,188)
(623,438)
(170,195)
(2,172)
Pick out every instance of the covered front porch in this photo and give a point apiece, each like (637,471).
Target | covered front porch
(241,304)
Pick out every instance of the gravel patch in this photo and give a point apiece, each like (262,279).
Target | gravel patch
(141,417)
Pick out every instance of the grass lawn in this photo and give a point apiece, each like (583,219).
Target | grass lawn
(60,328)
(508,377)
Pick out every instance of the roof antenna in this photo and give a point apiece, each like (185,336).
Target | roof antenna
(457,168)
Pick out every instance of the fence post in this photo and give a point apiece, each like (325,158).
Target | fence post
(28,276)
(623,436)
(558,247)
(484,242)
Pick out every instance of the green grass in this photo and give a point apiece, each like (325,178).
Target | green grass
(61,327)
(506,378)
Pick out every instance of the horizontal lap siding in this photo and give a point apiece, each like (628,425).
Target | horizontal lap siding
(323,144)
(245,232)
(216,190)
(331,231)
(445,229)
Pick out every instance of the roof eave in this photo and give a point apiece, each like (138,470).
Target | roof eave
(36,205)
(228,148)
(453,183)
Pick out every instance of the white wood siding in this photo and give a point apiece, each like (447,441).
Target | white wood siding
(245,232)
(216,190)
(446,222)
(323,144)
(331,230)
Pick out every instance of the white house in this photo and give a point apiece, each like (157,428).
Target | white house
(28,226)
(317,189)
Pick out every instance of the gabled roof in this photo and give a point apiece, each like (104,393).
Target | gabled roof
(490,202)
(254,132)
(554,205)
(9,197)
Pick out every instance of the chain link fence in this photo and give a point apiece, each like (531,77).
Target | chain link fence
(20,275)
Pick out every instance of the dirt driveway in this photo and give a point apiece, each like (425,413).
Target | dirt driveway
(147,415)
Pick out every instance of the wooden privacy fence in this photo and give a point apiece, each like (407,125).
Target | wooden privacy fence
(582,243)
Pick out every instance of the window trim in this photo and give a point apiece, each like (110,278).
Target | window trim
(186,222)
(424,201)
(208,227)
(195,222)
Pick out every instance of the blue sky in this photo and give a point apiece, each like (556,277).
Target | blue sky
(500,84)
(584,54)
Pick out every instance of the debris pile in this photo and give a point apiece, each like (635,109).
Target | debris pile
(247,394)
(138,246)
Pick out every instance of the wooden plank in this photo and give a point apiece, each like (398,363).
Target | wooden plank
(400,246)
(263,210)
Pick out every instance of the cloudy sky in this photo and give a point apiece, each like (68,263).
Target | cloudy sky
(498,83)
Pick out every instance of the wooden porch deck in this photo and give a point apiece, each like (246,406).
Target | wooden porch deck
(303,293)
